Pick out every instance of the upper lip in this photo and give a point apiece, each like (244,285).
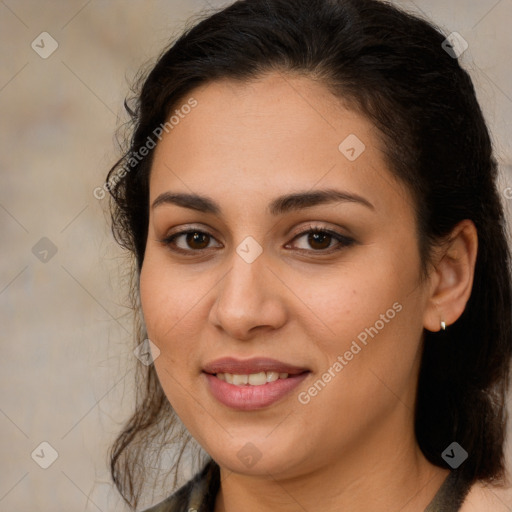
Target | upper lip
(253,365)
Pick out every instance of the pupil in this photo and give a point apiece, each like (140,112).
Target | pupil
(318,238)
(195,238)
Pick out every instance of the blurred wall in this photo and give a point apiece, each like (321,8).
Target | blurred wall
(65,375)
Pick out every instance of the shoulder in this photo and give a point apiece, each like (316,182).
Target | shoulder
(484,497)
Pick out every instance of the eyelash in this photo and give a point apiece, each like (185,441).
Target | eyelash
(343,241)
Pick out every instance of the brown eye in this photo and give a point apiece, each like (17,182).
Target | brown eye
(316,240)
(319,240)
(189,241)
(197,240)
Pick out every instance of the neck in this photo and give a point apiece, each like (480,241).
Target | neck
(385,472)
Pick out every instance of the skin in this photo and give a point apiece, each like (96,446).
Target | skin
(352,447)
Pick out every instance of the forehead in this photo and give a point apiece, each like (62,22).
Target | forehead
(274,133)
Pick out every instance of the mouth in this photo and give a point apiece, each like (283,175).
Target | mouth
(252,379)
(253,366)
(252,384)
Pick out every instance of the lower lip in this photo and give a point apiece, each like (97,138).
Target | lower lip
(249,398)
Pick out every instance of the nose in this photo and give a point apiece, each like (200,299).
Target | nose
(250,299)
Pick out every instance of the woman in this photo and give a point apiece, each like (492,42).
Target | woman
(321,265)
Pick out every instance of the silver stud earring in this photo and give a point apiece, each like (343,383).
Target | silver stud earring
(443,325)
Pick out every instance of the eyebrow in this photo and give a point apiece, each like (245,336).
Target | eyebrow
(279,206)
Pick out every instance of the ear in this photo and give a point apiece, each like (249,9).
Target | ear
(451,280)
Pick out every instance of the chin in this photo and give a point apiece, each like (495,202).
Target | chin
(259,457)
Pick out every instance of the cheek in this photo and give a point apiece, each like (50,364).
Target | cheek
(372,318)
(167,299)
(156,304)
(343,303)
(167,307)
(164,307)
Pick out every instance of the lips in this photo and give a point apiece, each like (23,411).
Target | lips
(253,365)
(250,397)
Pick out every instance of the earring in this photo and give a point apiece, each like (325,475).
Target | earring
(443,325)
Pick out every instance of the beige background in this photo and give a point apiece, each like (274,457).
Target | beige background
(65,337)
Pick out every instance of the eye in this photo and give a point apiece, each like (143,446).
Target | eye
(318,239)
(191,240)
(322,240)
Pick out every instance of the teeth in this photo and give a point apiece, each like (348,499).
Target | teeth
(257,379)
(254,379)
(273,376)
(238,380)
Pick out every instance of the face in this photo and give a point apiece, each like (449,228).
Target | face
(299,256)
